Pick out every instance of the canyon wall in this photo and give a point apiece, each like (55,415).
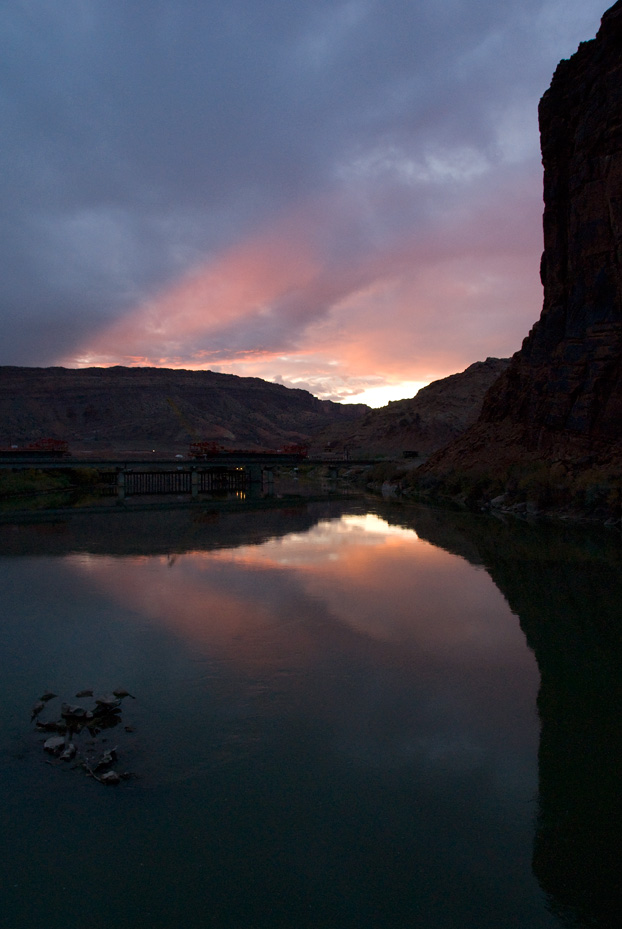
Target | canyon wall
(561,397)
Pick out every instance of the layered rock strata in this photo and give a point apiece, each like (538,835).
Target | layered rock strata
(120,408)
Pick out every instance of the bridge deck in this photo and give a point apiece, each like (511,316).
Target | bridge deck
(226,460)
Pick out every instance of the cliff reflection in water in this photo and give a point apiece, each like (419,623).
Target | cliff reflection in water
(565,585)
(336,634)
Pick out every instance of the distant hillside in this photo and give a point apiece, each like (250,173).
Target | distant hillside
(434,417)
(107,409)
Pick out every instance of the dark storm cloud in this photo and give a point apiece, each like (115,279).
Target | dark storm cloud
(142,140)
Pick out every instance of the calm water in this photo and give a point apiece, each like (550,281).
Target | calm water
(344,717)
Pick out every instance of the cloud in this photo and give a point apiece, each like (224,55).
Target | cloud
(326,191)
(293,299)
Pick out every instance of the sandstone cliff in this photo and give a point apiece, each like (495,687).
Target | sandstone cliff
(108,409)
(434,417)
(560,401)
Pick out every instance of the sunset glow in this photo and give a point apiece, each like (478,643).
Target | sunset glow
(369,327)
(197,600)
(341,198)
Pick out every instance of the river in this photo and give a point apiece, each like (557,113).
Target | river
(344,715)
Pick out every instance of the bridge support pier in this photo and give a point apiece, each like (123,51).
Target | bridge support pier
(254,480)
(255,474)
(194,483)
(120,486)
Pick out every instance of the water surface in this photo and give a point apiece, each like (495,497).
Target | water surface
(335,725)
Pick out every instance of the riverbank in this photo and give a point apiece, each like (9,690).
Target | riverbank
(558,490)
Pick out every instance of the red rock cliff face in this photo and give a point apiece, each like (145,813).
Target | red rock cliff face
(562,394)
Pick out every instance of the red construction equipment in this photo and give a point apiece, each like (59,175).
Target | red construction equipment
(40,448)
(204,449)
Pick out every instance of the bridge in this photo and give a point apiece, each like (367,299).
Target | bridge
(224,471)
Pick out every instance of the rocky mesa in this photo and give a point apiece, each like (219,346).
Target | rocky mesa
(558,407)
(122,409)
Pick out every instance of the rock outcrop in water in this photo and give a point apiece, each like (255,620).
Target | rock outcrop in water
(74,723)
(560,401)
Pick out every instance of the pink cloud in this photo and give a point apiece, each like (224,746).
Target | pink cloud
(318,299)
(242,281)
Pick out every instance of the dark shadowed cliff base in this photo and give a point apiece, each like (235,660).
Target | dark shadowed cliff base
(550,433)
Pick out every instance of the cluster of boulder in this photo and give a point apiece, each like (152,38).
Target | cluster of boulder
(66,740)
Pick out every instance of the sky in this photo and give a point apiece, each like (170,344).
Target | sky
(339,195)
